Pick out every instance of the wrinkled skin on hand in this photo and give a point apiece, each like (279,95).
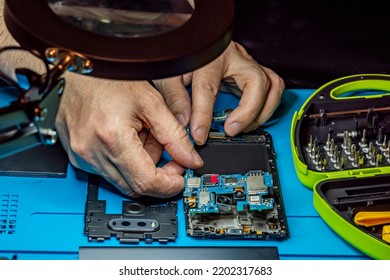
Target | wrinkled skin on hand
(118,129)
(259,87)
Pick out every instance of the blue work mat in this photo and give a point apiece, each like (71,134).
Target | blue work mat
(43,218)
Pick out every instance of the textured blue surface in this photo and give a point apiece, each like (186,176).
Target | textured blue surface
(50,212)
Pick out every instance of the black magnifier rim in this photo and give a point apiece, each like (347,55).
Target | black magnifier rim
(197,42)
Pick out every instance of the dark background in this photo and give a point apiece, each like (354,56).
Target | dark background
(309,43)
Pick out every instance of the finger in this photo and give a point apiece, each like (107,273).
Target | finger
(254,83)
(272,102)
(138,170)
(176,183)
(255,87)
(205,86)
(229,85)
(153,148)
(145,178)
(168,131)
(173,168)
(143,135)
(176,97)
(114,175)
(138,176)
(187,78)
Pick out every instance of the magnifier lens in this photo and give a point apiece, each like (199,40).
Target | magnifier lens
(123,18)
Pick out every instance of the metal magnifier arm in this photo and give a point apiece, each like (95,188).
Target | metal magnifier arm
(29,120)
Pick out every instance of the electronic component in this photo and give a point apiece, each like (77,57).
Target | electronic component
(210,180)
(221,116)
(232,204)
(140,220)
(255,183)
(193,182)
(231,180)
(217,135)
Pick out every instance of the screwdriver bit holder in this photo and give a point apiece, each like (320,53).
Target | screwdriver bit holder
(341,149)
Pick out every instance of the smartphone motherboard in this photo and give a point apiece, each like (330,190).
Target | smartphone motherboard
(236,194)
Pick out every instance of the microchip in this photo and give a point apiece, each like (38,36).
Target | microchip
(231,181)
(204,198)
(210,180)
(256,184)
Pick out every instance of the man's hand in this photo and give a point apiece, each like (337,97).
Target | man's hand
(260,87)
(119,129)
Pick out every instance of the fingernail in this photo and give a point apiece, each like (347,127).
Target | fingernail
(201,135)
(235,128)
(181,119)
(197,159)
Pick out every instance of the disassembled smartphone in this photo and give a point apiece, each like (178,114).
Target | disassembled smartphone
(341,149)
(237,192)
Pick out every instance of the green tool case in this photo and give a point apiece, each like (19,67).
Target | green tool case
(340,141)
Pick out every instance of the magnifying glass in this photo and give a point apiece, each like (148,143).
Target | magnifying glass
(138,39)
(114,39)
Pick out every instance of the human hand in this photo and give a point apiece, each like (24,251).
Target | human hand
(259,87)
(118,129)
